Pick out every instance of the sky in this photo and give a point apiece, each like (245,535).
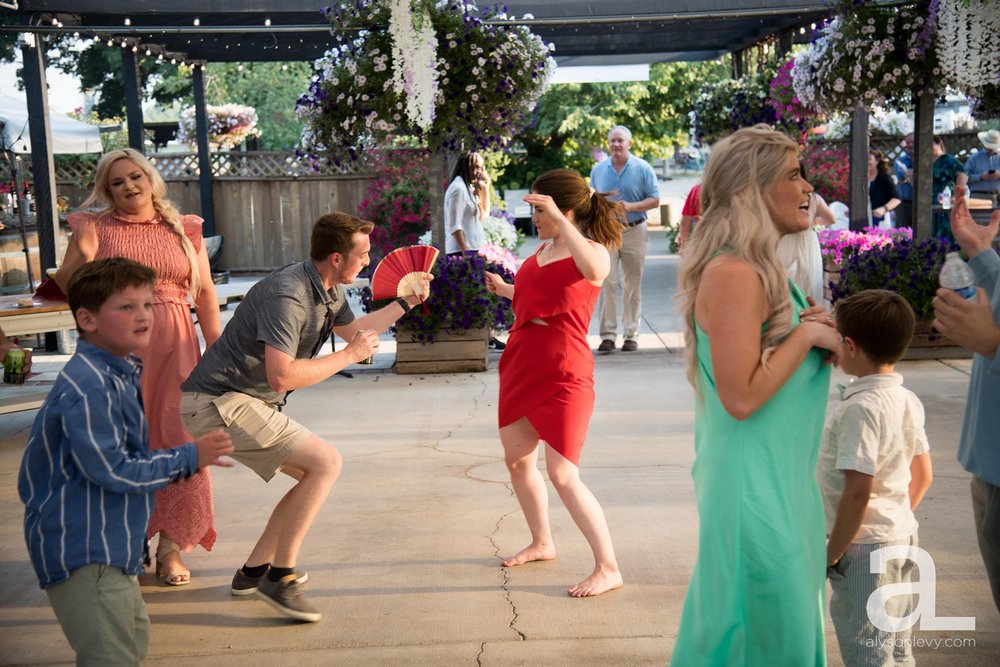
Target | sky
(64,91)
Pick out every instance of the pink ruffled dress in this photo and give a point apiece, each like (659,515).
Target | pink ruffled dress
(184,511)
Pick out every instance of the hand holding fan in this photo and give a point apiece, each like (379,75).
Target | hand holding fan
(401,272)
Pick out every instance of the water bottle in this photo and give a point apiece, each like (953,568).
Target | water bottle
(958,277)
(946,197)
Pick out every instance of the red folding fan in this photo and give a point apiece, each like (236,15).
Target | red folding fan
(399,272)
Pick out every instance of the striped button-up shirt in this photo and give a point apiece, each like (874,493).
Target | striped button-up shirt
(87,478)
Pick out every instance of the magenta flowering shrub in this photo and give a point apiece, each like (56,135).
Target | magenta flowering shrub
(828,170)
(397,201)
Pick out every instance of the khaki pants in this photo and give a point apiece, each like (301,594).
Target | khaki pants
(263,438)
(102,614)
(632,258)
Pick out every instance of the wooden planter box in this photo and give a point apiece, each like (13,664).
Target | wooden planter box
(450,352)
(928,344)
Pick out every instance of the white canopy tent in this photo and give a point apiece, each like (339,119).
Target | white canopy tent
(68,135)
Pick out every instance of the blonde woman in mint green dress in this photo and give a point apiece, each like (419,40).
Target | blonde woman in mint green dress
(758,355)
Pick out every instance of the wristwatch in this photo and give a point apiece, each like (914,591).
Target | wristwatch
(403,304)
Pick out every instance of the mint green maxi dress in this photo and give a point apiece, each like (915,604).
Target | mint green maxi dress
(757,592)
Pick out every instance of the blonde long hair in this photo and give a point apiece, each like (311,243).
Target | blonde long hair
(739,175)
(101,196)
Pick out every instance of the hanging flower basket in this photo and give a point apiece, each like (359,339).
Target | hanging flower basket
(869,55)
(440,73)
(229,125)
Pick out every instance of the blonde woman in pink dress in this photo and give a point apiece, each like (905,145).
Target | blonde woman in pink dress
(137,222)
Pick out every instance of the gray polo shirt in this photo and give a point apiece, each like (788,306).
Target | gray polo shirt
(288,310)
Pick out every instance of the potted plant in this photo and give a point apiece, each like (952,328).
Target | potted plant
(448,334)
(911,269)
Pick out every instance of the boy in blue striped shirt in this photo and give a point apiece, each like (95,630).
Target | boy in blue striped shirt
(87,478)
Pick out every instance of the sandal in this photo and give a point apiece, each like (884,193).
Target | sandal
(179,576)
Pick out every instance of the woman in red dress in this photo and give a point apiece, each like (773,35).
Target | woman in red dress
(547,370)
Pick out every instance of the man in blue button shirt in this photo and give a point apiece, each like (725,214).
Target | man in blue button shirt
(974,326)
(634,184)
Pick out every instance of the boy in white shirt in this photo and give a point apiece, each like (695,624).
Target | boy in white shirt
(874,467)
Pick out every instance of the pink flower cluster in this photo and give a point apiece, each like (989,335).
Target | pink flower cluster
(499,255)
(839,244)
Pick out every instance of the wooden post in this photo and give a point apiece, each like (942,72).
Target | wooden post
(923,161)
(437,165)
(785,40)
(133,100)
(42,166)
(204,157)
(859,170)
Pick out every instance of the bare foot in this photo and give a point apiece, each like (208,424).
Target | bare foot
(601,581)
(528,554)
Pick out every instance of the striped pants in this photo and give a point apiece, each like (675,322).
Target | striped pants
(852,582)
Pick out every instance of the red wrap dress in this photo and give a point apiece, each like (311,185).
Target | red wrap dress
(547,372)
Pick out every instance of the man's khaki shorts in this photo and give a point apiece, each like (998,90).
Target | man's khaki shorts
(263,438)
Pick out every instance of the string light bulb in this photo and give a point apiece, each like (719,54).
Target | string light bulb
(267,21)
(197,22)
(173,61)
(149,52)
(128,21)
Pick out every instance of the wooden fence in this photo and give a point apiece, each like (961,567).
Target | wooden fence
(265,203)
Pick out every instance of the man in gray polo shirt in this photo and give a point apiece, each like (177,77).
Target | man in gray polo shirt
(268,350)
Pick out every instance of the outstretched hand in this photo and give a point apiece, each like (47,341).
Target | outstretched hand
(973,237)
(211,447)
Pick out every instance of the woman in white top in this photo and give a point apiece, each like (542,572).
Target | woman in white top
(800,252)
(466,205)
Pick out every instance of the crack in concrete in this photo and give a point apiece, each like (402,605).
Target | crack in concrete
(506,577)
(469,416)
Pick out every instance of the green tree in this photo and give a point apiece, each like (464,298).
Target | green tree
(270,88)
(574,119)
(99,69)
